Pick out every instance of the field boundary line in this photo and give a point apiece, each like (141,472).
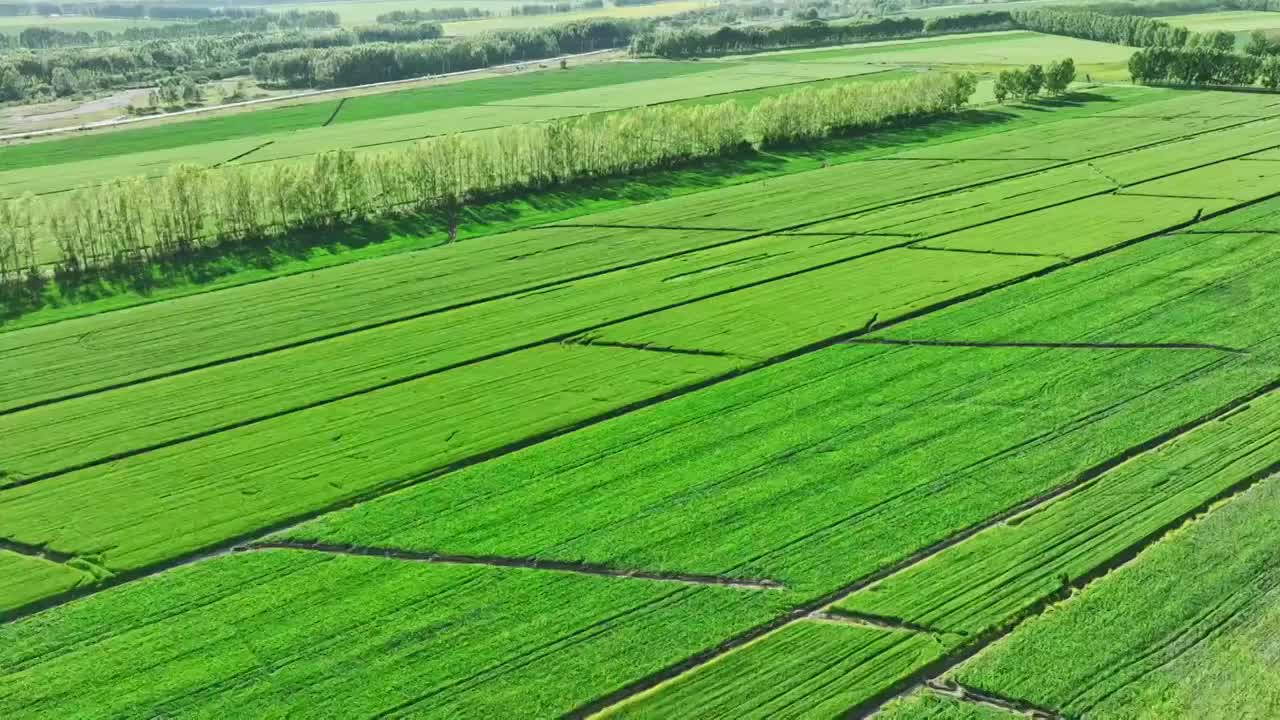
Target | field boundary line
(587,341)
(866,620)
(951,689)
(553,226)
(510,562)
(220,163)
(972,251)
(1047,345)
(337,108)
(1125,193)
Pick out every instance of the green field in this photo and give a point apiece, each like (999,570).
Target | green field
(963,417)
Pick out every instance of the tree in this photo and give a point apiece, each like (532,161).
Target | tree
(1032,81)
(1003,86)
(1059,76)
(1259,44)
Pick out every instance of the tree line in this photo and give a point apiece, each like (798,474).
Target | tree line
(379,62)
(1131,30)
(35,75)
(130,222)
(397,17)
(708,42)
(1204,66)
(555,8)
(46,38)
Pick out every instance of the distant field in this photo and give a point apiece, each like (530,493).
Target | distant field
(1000,48)
(1236,21)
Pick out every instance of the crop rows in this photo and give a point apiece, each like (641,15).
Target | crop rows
(907,436)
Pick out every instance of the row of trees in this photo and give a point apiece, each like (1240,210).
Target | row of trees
(1131,30)
(555,8)
(398,17)
(1026,84)
(1203,66)
(704,42)
(29,74)
(135,220)
(379,62)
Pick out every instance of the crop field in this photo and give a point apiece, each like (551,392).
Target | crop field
(979,424)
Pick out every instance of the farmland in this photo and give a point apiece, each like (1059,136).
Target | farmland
(948,416)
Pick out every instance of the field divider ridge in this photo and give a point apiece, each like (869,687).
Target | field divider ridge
(1005,253)
(960,693)
(510,562)
(1047,345)
(589,341)
(847,617)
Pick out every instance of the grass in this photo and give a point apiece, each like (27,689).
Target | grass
(1186,629)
